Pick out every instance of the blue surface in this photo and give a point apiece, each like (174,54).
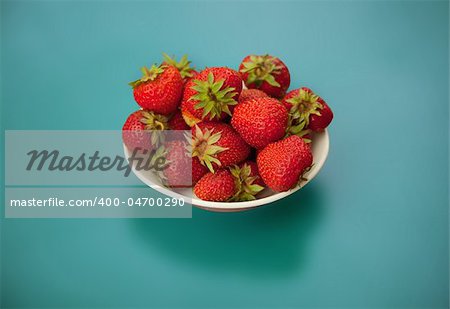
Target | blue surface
(370,231)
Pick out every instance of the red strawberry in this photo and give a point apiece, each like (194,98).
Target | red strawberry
(248,94)
(178,171)
(260,121)
(282,164)
(183,66)
(177,122)
(266,73)
(218,144)
(182,169)
(211,95)
(159,89)
(233,184)
(307,110)
(218,187)
(136,130)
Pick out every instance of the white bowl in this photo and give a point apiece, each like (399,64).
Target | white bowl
(320,147)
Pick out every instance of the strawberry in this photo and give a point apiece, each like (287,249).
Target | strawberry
(260,121)
(136,129)
(266,73)
(176,122)
(218,145)
(218,187)
(178,172)
(183,66)
(211,95)
(282,164)
(159,89)
(182,169)
(233,184)
(248,94)
(307,110)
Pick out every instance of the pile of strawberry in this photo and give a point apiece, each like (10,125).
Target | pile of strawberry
(243,140)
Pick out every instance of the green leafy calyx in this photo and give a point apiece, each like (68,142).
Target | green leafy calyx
(183,66)
(298,129)
(203,145)
(304,104)
(148,75)
(261,69)
(246,189)
(154,122)
(212,99)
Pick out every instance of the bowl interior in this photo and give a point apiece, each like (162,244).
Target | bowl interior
(320,146)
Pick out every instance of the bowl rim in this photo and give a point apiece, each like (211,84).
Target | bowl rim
(246,204)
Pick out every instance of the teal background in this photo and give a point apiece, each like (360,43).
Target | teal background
(370,231)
